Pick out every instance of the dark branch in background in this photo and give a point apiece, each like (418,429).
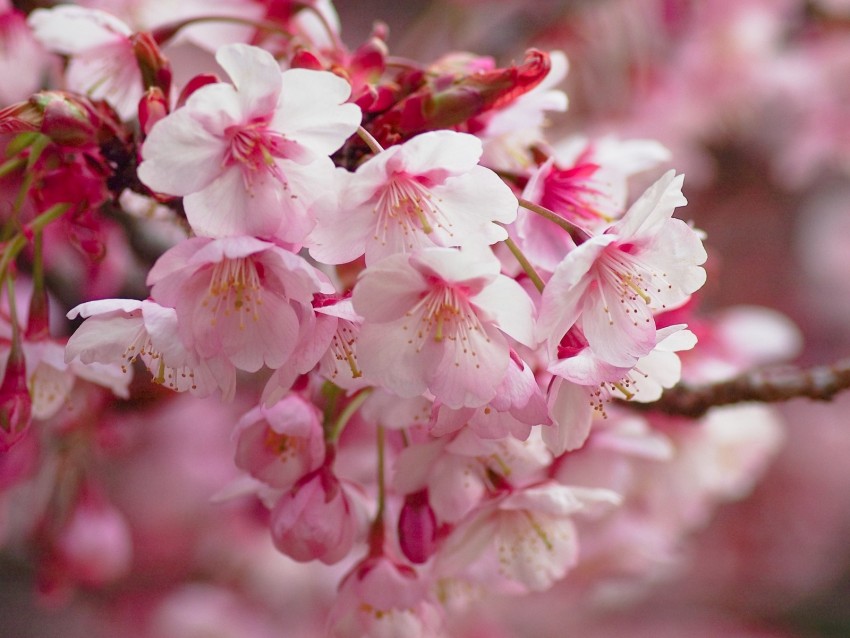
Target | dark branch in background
(765,385)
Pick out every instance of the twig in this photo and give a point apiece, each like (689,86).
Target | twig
(765,385)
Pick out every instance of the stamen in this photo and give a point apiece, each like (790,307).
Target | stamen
(234,287)
(406,205)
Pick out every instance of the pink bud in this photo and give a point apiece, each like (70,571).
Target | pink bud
(94,546)
(417,528)
(15,400)
(316,521)
(193,85)
(155,68)
(383,597)
(152,108)
(280,444)
(67,119)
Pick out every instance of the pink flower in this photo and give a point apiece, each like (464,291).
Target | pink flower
(103,65)
(510,133)
(280,444)
(317,520)
(518,405)
(437,320)
(429,191)
(585,183)
(612,283)
(19,47)
(524,541)
(382,597)
(119,331)
(94,546)
(251,157)
(585,384)
(238,298)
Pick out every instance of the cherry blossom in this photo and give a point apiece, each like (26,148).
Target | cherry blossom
(382,597)
(120,331)
(437,320)
(238,298)
(280,444)
(103,64)
(429,191)
(251,158)
(612,283)
(585,182)
(523,541)
(317,520)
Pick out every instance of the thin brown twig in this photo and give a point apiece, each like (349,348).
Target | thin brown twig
(764,385)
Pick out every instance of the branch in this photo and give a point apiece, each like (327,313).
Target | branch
(765,385)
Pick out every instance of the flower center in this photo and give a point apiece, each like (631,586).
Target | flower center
(256,148)
(176,378)
(342,349)
(283,446)
(568,192)
(444,314)
(234,288)
(408,206)
(635,284)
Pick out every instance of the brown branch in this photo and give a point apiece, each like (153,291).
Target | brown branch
(765,385)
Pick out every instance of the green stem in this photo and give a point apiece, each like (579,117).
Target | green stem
(19,241)
(371,142)
(13,311)
(338,45)
(526,265)
(260,25)
(382,490)
(11,165)
(347,413)
(554,218)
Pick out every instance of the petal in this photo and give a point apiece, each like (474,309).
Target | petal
(179,156)
(505,303)
(387,290)
(255,74)
(466,373)
(226,208)
(311,110)
(653,208)
(70,30)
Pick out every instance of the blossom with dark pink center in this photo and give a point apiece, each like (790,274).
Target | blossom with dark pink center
(252,157)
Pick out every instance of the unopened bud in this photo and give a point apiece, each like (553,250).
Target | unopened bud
(417,528)
(66,119)
(15,400)
(154,66)
(193,85)
(152,108)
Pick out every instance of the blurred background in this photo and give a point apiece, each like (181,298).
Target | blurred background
(753,100)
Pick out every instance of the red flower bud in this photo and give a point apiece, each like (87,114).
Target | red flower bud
(15,400)
(417,528)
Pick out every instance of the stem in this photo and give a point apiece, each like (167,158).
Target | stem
(10,252)
(371,142)
(334,36)
(13,311)
(382,490)
(347,413)
(553,217)
(17,244)
(10,166)
(526,265)
(767,385)
(377,531)
(260,25)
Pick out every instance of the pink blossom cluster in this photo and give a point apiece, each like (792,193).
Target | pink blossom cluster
(421,326)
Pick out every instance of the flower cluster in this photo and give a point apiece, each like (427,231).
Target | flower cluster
(434,320)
